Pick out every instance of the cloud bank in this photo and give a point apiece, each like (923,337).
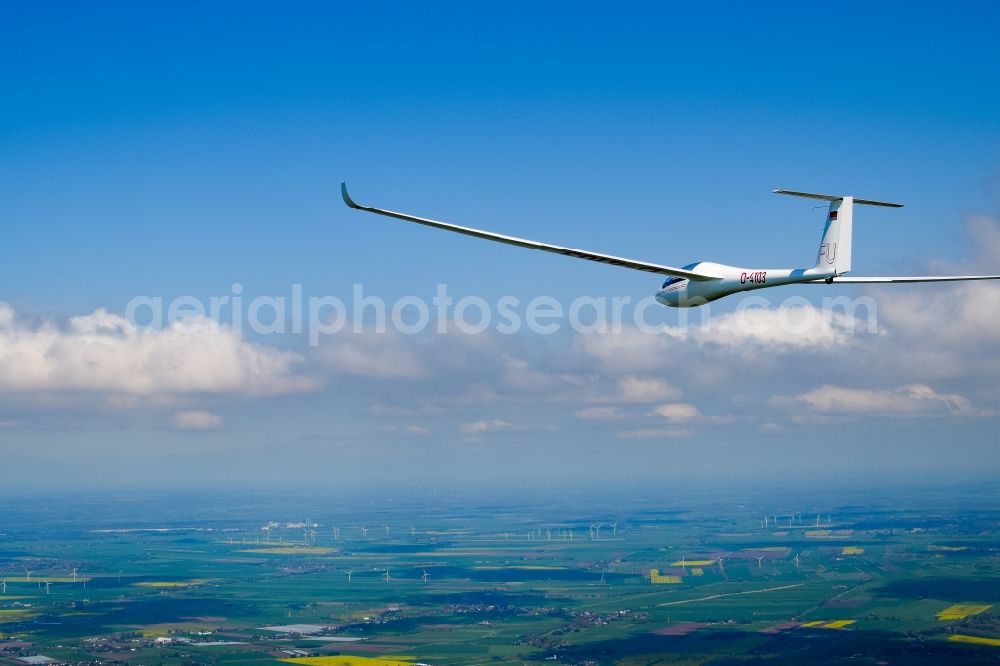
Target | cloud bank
(104,353)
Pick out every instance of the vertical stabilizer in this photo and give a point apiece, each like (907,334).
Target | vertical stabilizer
(834,256)
(835,246)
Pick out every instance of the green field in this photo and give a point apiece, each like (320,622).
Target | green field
(505,583)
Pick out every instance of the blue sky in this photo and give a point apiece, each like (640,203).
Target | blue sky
(176,149)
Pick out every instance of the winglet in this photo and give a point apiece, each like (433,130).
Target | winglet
(347,197)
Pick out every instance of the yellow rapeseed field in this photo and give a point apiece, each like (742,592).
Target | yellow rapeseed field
(656,578)
(828,624)
(838,624)
(692,563)
(171,583)
(962,611)
(346,660)
(14,614)
(978,640)
(852,550)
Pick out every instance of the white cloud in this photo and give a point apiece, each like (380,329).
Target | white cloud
(520,376)
(941,336)
(627,350)
(104,353)
(407,430)
(794,327)
(377,355)
(677,412)
(751,330)
(945,330)
(379,409)
(984,231)
(656,433)
(197,419)
(909,400)
(484,426)
(601,413)
(646,389)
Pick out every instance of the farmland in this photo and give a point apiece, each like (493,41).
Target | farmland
(645,577)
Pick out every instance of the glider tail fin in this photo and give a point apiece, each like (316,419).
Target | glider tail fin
(835,247)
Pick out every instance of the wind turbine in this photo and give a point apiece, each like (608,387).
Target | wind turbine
(614,529)
(413,531)
(336,533)
(760,562)
(387,530)
(364,531)
(386,574)
(73,574)
(5,586)
(597,531)
(603,571)
(27,575)
(765,522)
(722,563)
(349,572)
(425,576)
(120,575)
(796,558)
(46,587)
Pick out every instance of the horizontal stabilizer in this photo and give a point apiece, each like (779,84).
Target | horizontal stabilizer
(835,197)
(690,272)
(845,279)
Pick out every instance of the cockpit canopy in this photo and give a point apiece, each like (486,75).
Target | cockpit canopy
(673,279)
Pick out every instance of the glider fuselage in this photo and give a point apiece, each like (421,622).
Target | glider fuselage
(679,292)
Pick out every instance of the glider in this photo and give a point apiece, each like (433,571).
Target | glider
(704,281)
